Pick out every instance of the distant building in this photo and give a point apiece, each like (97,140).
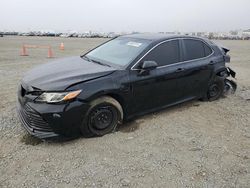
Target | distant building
(246,34)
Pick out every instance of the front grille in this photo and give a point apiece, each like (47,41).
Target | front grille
(32,120)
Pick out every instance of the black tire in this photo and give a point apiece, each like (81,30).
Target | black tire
(103,116)
(216,89)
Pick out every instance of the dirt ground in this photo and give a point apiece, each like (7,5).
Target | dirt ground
(196,144)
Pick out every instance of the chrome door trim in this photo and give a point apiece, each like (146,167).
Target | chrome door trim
(132,68)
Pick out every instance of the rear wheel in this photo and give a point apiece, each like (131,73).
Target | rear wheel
(103,116)
(216,88)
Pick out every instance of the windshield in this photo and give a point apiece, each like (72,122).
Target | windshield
(120,51)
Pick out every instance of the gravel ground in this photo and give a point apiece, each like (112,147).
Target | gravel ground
(196,144)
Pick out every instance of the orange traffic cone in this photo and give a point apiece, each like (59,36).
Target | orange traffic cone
(62,46)
(50,54)
(23,51)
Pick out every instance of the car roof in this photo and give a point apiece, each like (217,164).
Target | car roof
(156,37)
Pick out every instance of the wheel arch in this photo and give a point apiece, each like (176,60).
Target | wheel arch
(220,72)
(113,95)
(119,99)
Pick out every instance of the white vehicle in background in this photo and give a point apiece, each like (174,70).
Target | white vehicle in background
(65,35)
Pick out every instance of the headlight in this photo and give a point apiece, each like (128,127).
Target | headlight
(51,97)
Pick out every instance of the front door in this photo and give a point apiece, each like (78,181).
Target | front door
(160,86)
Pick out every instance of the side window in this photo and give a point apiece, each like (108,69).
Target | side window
(164,54)
(195,49)
(208,50)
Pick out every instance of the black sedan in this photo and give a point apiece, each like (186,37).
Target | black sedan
(120,79)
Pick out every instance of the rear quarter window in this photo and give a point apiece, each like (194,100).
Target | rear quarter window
(207,49)
(195,49)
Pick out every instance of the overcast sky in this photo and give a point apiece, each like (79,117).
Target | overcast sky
(124,15)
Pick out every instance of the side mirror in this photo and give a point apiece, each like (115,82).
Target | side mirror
(146,67)
(149,65)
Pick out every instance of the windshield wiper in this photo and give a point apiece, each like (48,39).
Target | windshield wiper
(100,63)
(94,61)
(86,58)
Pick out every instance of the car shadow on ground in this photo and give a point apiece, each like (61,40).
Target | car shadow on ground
(127,126)
(27,139)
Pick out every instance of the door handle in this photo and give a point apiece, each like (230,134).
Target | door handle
(180,70)
(211,63)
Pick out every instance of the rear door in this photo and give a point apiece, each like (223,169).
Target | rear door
(196,68)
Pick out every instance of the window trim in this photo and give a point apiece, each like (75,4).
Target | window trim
(204,44)
(181,62)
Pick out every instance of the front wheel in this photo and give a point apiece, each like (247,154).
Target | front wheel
(103,116)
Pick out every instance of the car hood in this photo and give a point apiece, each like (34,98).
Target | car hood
(60,74)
